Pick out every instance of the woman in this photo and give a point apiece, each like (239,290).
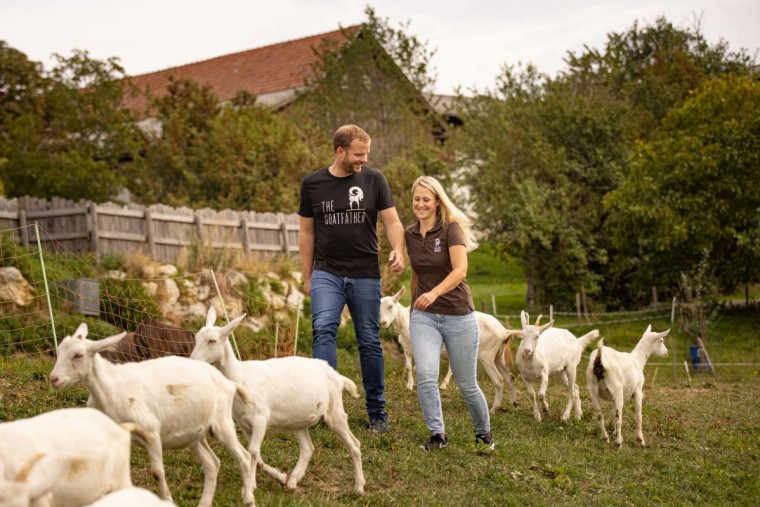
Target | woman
(442,309)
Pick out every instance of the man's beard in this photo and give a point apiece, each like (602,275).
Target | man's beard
(349,168)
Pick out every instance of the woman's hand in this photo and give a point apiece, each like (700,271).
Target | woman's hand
(425,300)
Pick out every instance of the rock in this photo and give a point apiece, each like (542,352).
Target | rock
(167,291)
(167,271)
(116,273)
(14,287)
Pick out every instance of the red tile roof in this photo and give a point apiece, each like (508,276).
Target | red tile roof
(268,69)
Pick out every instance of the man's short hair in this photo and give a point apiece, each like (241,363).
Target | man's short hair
(347,134)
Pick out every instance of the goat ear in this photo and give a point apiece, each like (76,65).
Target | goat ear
(210,317)
(524,318)
(649,329)
(664,333)
(107,343)
(81,332)
(514,333)
(538,320)
(399,294)
(233,324)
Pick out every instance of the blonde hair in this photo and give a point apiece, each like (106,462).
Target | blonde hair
(448,210)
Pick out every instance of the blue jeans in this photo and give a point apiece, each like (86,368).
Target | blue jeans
(329,293)
(429,332)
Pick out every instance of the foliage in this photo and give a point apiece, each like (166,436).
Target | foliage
(125,303)
(654,67)
(542,155)
(62,133)
(703,445)
(688,190)
(258,157)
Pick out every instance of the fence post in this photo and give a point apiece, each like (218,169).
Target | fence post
(284,230)
(199,226)
(149,233)
(654,295)
(551,312)
(673,310)
(493,303)
(578,305)
(23,227)
(224,308)
(244,235)
(93,209)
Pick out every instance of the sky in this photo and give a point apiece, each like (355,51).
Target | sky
(472,39)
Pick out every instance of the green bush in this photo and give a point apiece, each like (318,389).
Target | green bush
(125,303)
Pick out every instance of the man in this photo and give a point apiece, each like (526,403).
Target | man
(339,257)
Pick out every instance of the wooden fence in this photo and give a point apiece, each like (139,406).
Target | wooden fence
(159,231)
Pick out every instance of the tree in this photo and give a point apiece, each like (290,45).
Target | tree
(691,190)
(236,155)
(521,186)
(63,133)
(654,67)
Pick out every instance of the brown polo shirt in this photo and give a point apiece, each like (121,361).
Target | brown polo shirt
(431,262)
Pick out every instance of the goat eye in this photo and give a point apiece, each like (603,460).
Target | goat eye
(211,342)
(78,355)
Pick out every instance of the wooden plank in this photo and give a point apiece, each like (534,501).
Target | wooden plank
(123,236)
(221,222)
(172,241)
(94,231)
(182,219)
(9,215)
(264,226)
(61,236)
(120,212)
(149,233)
(56,213)
(265,248)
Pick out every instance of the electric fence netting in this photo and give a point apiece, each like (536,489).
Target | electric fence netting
(46,291)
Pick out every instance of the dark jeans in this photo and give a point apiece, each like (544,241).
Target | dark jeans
(362,295)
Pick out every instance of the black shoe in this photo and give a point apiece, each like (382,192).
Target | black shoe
(378,422)
(437,441)
(484,442)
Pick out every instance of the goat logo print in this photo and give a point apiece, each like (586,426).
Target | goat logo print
(437,247)
(355,195)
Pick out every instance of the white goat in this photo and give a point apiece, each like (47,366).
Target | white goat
(177,401)
(289,394)
(618,376)
(83,446)
(546,351)
(493,351)
(131,497)
(28,489)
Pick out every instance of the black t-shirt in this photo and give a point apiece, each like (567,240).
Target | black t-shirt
(345,220)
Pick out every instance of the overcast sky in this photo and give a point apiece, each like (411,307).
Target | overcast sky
(472,38)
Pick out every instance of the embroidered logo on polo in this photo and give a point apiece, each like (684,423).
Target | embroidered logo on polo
(355,213)
(437,247)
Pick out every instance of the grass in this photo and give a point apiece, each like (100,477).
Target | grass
(703,442)
(703,436)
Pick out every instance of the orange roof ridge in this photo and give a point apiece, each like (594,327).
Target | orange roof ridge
(267,69)
(348,29)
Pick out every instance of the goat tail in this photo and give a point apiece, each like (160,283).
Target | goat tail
(588,338)
(241,393)
(139,432)
(598,366)
(349,386)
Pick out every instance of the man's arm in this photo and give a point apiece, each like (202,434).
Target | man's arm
(306,250)
(395,232)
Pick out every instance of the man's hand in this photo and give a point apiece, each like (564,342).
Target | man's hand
(396,259)
(307,285)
